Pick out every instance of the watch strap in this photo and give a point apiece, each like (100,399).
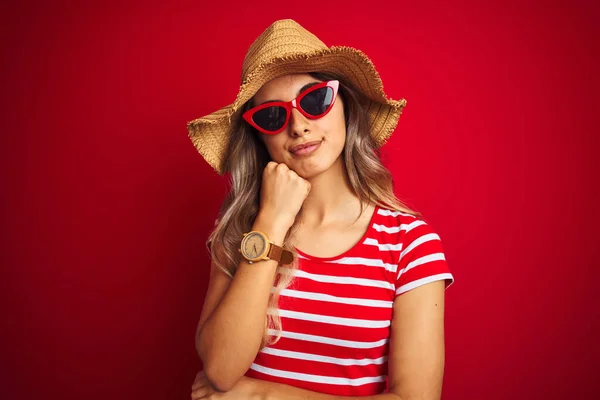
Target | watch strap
(280,255)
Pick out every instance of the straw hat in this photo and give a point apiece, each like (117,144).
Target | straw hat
(284,48)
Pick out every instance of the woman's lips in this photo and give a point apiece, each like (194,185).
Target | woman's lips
(307,149)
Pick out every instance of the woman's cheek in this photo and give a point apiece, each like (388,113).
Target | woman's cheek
(274,150)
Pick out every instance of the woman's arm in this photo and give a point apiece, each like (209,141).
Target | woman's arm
(256,389)
(416,358)
(277,391)
(232,322)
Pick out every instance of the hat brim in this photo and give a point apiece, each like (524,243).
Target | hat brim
(210,133)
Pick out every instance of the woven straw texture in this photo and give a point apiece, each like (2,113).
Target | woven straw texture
(284,48)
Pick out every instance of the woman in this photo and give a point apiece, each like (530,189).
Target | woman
(323,284)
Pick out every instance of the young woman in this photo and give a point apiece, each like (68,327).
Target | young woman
(323,284)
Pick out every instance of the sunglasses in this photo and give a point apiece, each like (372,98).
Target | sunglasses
(315,102)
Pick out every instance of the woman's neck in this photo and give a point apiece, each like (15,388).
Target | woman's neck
(330,199)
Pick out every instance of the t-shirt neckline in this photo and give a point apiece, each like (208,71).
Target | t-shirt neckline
(344,254)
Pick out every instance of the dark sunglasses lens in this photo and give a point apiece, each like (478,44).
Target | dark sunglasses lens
(318,101)
(270,118)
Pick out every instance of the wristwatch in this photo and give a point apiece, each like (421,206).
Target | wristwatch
(256,246)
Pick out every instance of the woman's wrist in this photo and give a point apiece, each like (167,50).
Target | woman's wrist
(274,228)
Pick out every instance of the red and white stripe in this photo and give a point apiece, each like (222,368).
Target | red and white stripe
(336,315)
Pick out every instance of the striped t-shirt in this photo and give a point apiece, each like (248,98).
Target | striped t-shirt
(336,315)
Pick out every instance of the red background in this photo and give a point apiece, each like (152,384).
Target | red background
(106,205)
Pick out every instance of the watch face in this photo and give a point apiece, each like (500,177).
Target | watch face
(253,245)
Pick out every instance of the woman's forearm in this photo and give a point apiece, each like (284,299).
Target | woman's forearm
(266,390)
(230,338)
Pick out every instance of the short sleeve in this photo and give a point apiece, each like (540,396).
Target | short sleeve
(422,259)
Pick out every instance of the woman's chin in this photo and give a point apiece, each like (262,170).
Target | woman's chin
(315,165)
(309,171)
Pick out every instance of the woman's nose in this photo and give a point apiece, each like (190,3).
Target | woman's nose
(299,124)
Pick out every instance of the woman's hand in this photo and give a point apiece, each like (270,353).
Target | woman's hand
(243,390)
(282,193)
(202,389)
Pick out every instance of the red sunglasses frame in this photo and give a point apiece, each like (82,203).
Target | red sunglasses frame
(288,105)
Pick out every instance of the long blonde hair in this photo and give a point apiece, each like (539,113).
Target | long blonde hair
(245,159)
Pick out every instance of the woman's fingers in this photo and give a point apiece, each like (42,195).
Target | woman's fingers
(283,192)
(198,385)
(201,389)
(201,393)
(199,381)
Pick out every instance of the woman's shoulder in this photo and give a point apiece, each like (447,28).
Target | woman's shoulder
(400,217)
(395,213)
(405,226)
